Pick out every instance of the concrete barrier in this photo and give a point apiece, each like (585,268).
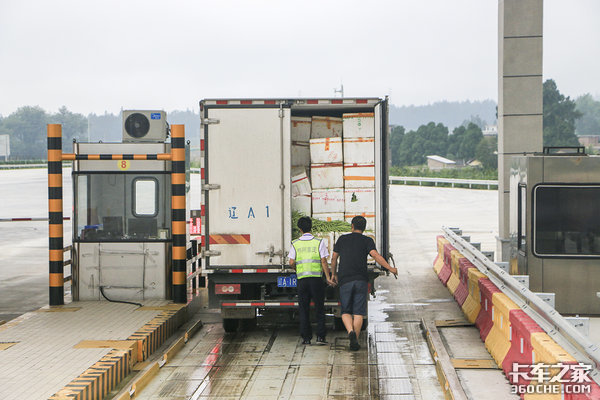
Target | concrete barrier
(509,334)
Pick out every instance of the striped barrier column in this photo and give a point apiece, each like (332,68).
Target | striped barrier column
(178,207)
(55,215)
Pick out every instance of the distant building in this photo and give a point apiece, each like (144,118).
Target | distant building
(490,130)
(436,163)
(5,146)
(589,140)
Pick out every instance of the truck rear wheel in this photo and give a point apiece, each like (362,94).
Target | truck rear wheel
(248,324)
(230,325)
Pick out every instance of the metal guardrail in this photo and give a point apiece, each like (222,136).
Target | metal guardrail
(451,181)
(555,325)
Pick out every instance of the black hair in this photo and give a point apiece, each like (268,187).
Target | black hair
(359,223)
(305,224)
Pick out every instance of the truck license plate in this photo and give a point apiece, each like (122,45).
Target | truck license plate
(286,281)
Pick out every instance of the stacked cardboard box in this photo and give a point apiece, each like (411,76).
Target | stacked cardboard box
(301,187)
(327,168)
(359,167)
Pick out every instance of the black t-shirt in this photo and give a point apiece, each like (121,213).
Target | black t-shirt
(353,249)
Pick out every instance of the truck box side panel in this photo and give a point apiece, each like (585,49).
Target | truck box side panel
(249,213)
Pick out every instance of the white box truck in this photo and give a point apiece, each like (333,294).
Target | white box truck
(247,199)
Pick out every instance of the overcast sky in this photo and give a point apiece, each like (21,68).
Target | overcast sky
(94,56)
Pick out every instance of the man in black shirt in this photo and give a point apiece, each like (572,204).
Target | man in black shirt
(353,250)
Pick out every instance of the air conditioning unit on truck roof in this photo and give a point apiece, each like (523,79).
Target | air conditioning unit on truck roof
(147,126)
(265,159)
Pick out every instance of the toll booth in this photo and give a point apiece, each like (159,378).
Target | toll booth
(555,226)
(122,214)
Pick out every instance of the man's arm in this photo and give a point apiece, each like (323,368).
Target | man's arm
(334,258)
(292,263)
(381,261)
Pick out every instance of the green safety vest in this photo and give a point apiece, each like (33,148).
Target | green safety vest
(308,258)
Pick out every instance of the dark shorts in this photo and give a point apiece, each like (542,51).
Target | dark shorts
(353,296)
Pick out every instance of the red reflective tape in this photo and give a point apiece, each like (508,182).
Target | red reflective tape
(361,101)
(230,239)
(287,304)
(202,211)
(258,304)
(228,304)
(201,144)
(312,101)
(201,173)
(245,101)
(337,101)
(221,101)
(262,270)
(269,101)
(202,241)
(237,271)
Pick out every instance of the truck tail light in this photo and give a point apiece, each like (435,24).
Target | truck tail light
(232,288)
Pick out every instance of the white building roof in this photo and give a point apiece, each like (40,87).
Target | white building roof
(441,159)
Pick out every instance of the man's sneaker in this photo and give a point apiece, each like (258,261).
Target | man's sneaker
(354,346)
(305,341)
(321,340)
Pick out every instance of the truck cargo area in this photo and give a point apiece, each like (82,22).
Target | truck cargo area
(269,161)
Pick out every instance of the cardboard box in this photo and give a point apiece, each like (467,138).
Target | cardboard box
(324,127)
(358,201)
(325,176)
(329,216)
(358,150)
(359,125)
(300,182)
(359,175)
(301,154)
(328,201)
(301,129)
(302,203)
(326,150)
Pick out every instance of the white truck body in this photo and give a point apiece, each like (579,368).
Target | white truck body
(247,171)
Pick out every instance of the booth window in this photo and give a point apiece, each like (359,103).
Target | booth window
(566,220)
(145,197)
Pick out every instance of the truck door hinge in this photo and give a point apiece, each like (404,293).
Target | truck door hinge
(211,186)
(281,113)
(211,253)
(209,121)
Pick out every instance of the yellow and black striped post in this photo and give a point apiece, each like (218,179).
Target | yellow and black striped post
(178,207)
(55,214)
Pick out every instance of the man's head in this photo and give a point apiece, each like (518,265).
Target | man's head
(305,224)
(359,223)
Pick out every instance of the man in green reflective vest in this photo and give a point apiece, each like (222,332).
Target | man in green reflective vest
(308,255)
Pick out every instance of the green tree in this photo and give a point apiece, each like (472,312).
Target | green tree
(396,137)
(430,139)
(487,152)
(559,117)
(589,123)
(27,130)
(74,126)
(463,141)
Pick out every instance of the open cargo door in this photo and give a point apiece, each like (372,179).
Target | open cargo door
(382,178)
(247,192)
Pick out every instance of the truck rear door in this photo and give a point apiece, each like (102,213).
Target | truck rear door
(247,191)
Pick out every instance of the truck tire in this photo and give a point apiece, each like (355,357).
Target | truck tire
(230,325)
(248,324)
